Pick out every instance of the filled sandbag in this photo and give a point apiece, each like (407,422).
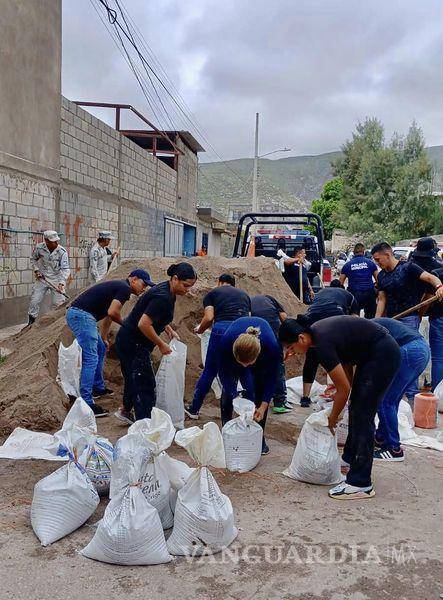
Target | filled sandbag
(439,393)
(316,458)
(294,390)
(158,433)
(204,342)
(23,444)
(64,500)
(204,518)
(178,474)
(343,427)
(130,532)
(69,368)
(170,383)
(242,438)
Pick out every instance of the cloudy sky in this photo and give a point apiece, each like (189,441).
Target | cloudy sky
(311,68)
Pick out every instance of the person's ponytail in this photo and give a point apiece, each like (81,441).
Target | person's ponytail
(290,329)
(182,270)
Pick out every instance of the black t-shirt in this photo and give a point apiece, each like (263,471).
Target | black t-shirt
(267,308)
(332,302)
(436,309)
(158,304)
(345,340)
(229,303)
(292,277)
(97,299)
(402,287)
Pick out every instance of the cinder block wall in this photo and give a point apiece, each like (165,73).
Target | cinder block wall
(106,182)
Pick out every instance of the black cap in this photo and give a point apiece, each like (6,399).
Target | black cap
(426,246)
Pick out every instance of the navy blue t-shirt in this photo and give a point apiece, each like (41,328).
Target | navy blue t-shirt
(332,302)
(229,303)
(269,309)
(158,304)
(401,333)
(359,271)
(436,309)
(97,299)
(402,287)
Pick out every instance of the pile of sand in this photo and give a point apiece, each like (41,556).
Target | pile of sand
(29,394)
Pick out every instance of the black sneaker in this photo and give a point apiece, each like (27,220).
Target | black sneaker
(99,411)
(305,402)
(190,414)
(99,394)
(389,455)
(31,320)
(264,448)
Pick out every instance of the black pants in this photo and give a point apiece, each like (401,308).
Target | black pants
(371,380)
(138,374)
(367,302)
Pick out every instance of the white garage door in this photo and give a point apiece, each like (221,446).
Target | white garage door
(173,238)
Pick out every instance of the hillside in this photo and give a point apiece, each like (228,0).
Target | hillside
(284,184)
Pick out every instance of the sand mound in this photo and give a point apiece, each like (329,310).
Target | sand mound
(29,395)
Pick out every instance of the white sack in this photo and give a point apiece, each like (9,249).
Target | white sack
(178,473)
(204,519)
(69,368)
(170,383)
(316,458)
(294,387)
(408,436)
(204,341)
(439,393)
(158,433)
(24,444)
(242,438)
(130,532)
(66,498)
(343,427)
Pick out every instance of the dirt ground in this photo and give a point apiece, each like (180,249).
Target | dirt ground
(293,542)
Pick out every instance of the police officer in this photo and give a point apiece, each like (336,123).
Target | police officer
(50,264)
(99,258)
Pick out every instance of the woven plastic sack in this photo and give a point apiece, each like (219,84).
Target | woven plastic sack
(343,427)
(66,498)
(178,473)
(24,444)
(170,383)
(69,368)
(204,518)
(204,342)
(242,438)
(439,393)
(316,458)
(130,532)
(294,388)
(158,433)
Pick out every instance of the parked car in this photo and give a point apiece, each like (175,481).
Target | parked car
(402,252)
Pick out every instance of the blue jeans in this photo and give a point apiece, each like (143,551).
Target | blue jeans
(414,358)
(210,370)
(412,321)
(436,343)
(84,327)
(138,374)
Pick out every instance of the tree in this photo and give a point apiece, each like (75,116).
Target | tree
(328,204)
(387,187)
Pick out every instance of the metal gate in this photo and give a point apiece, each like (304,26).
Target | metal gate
(173,238)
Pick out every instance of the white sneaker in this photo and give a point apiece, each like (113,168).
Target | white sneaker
(346,491)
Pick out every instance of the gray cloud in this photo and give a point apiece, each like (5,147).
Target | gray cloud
(312,68)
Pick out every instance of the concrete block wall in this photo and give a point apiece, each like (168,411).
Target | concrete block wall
(105,182)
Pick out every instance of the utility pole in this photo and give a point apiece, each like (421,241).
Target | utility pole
(255,205)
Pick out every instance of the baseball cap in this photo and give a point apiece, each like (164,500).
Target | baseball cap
(50,235)
(105,235)
(143,275)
